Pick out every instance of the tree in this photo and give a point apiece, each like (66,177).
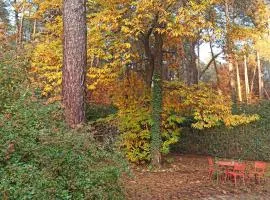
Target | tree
(74,18)
(3,25)
(156,40)
(157,99)
(3,12)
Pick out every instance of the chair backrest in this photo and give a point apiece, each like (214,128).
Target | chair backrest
(239,167)
(260,166)
(210,161)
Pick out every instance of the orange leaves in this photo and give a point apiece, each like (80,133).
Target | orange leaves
(131,93)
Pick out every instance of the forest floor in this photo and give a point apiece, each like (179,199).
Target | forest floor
(186,177)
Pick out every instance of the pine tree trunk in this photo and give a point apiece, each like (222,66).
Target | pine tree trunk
(228,51)
(192,71)
(157,103)
(74,17)
(246,79)
(252,82)
(34,29)
(21,28)
(260,76)
(149,70)
(16,22)
(238,83)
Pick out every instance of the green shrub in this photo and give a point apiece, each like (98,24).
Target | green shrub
(12,77)
(97,111)
(49,161)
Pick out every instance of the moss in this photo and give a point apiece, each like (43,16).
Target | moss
(156,140)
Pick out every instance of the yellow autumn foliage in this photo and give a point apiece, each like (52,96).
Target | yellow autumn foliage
(198,106)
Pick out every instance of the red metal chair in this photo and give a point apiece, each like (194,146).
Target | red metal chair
(239,170)
(259,171)
(211,167)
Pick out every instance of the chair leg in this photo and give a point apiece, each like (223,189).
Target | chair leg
(210,174)
(234,181)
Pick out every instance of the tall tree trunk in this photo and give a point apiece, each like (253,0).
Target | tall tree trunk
(238,83)
(149,68)
(252,82)
(246,79)
(228,51)
(157,102)
(34,29)
(260,76)
(16,21)
(74,18)
(20,37)
(198,59)
(192,75)
(215,62)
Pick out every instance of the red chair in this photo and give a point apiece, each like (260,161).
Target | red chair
(259,171)
(239,170)
(211,167)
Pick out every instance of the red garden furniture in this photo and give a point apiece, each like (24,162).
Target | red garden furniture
(259,171)
(239,170)
(211,167)
(225,167)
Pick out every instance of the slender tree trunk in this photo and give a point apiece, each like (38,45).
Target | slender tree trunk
(192,75)
(252,82)
(34,29)
(16,22)
(246,79)
(228,51)
(198,59)
(149,69)
(157,102)
(238,83)
(74,18)
(21,28)
(215,63)
(260,76)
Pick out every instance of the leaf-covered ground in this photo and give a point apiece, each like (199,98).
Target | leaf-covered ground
(185,177)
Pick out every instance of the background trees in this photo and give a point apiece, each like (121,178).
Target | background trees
(144,46)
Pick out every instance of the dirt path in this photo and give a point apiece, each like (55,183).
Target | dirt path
(186,178)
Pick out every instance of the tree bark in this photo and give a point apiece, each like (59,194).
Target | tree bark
(192,75)
(149,68)
(215,63)
(16,21)
(20,40)
(157,102)
(209,64)
(34,29)
(74,18)
(228,51)
(260,82)
(252,81)
(246,79)
(238,83)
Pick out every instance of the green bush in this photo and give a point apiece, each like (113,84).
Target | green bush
(40,158)
(251,141)
(12,77)
(97,111)
(49,161)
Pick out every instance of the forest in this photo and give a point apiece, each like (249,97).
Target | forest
(127,99)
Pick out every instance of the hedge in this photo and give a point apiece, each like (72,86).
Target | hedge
(250,142)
